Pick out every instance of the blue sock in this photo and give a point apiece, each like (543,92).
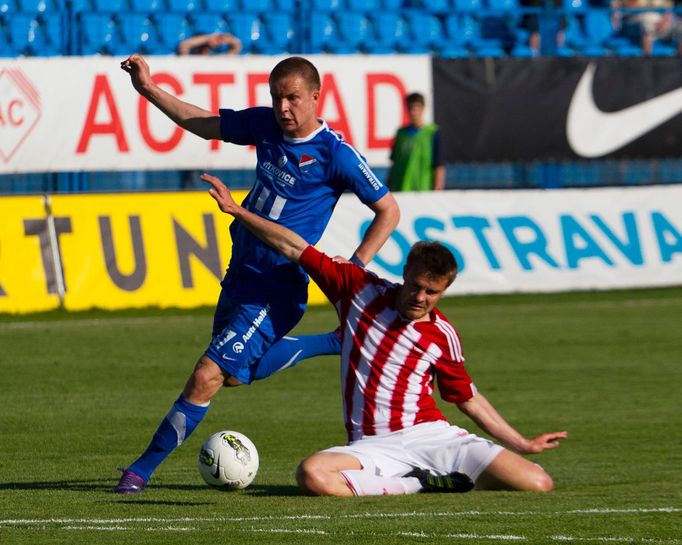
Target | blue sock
(178,425)
(288,351)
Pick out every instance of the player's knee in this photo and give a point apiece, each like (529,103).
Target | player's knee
(541,482)
(205,381)
(311,478)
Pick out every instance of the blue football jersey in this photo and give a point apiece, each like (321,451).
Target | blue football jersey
(298,183)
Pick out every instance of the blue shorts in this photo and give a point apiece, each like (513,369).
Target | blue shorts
(243,330)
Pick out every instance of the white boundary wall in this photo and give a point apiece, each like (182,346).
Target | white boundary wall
(533,241)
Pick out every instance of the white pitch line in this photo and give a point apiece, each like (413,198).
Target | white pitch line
(271,518)
(288,531)
(614,539)
(491,537)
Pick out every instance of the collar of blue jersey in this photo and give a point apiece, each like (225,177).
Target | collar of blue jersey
(310,136)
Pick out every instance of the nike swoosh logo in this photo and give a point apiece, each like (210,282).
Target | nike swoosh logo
(594,133)
(291,360)
(216,473)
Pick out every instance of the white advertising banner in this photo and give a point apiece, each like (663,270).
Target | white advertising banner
(532,241)
(81,113)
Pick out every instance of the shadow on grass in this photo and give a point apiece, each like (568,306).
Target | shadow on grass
(95,485)
(273,490)
(107,485)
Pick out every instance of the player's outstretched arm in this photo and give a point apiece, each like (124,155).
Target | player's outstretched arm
(188,116)
(386,218)
(284,240)
(486,417)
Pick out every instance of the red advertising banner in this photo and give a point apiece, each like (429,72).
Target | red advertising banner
(81,113)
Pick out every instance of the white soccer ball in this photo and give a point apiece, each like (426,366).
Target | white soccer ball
(228,460)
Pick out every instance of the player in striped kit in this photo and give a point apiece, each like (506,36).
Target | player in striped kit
(394,342)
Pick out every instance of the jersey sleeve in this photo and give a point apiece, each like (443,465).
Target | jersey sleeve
(242,126)
(355,175)
(454,383)
(334,279)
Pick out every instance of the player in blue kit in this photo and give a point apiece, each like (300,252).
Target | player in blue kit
(302,169)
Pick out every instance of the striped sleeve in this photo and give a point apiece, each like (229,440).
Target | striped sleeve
(454,383)
(334,279)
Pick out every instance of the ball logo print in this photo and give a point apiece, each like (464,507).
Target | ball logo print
(19,110)
(228,460)
(237,348)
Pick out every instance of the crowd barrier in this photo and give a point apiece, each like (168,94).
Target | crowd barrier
(118,251)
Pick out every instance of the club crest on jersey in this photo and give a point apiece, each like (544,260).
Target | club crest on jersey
(305,161)
(282,161)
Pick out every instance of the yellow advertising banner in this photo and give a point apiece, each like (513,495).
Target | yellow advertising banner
(116,251)
(27,279)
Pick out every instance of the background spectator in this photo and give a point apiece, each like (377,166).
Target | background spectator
(647,27)
(416,153)
(205,44)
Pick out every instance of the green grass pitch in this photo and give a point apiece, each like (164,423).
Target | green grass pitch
(82,393)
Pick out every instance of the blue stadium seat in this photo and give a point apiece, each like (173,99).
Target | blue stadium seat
(436,6)
(460,32)
(171,29)
(246,27)
(257,6)
(98,34)
(663,49)
(285,5)
(52,29)
(425,33)
(224,6)
(110,6)
(467,6)
(207,23)
(362,6)
(184,6)
(5,45)
(322,33)
(391,4)
(36,6)
(352,32)
(502,6)
(598,29)
(576,6)
(8,6)
(389,32)
(137,34)
(278,33)
(327,5)
(22,33)
(148,6)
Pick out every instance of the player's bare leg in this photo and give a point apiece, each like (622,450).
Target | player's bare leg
(205,381)
(509,471)
(320,474)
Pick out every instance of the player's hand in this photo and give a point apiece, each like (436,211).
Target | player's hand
(340,259)
(140,75)
(545,441)
(221,194)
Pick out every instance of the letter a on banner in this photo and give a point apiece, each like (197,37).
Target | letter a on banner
(102,90)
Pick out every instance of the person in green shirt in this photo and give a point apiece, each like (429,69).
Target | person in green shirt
(416,154)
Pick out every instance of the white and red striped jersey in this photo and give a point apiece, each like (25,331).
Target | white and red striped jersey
(388,363)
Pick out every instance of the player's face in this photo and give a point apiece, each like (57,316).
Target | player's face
(420,292)
(415,111)
(295,105)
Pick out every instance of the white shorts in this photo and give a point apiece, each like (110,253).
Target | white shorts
(436,446)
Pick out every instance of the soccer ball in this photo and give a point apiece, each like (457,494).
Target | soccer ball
(228,460)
